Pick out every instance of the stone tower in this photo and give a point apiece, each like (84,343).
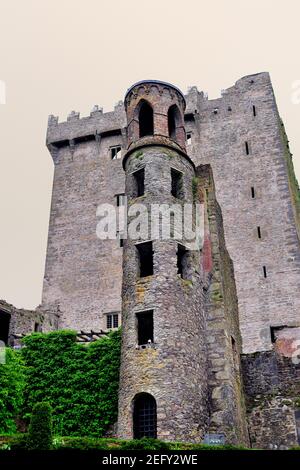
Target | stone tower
(163,320)
(246,287)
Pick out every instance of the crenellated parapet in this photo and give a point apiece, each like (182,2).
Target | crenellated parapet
(76,130)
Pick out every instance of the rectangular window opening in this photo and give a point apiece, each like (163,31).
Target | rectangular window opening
(145,327)
(115,152)
(247,148)
(4,326)
(145,254)
(112,321)
(188,138)
(258,232)
(254,110)
(252,192)
(139,178)
(37,327)
(265,271)
(177,184)
(274,330)
(182,261)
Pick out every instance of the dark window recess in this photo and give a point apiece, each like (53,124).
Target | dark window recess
(139,178)
(146,120)
(188,138)
(252,192)
(176,183)
(172,122)
(37,327)
(120,199)
(265,271)
(145,254)
(112,320)
(274,330)
(247,148)
(4,326)
(258,232)
(115,152)
(145,327)
(144,416)
(254,110)
(120,236)
(182,258)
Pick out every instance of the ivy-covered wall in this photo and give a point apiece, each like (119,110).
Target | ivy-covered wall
(79,381)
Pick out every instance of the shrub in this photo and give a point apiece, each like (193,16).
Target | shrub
(40,429)
(146,443)
(18,442)
(80,443)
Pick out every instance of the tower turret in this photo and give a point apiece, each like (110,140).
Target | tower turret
(163,383)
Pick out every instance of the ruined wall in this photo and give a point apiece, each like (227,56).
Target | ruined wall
(83,274)
(22,321)
(220,129)
(224,344)
(272,387)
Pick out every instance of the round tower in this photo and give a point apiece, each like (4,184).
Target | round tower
(163,378)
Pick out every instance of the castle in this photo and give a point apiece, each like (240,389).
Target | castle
(210,336)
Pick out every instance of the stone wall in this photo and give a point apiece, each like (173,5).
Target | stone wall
(224,344)
(220,128)
(83,274)
(22,322)
(272,387)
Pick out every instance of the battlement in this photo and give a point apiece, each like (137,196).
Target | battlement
(85,128)
(98,124)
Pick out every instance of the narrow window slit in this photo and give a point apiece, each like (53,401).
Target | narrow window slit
(258,232)
(265,271)
(247,148)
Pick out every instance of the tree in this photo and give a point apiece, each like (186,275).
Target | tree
(40,428)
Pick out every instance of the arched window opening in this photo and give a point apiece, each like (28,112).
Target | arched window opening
(146,119)
(173,120)
(144,416)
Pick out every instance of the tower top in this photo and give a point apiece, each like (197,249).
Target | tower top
(153,82)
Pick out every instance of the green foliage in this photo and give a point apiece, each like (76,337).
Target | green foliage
(80,382)
(11,390)
(40,429)
(80,443)
(146,443)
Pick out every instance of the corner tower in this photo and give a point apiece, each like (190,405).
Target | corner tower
(163,378)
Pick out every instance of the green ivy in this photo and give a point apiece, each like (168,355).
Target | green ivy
(79,381)
(11,390)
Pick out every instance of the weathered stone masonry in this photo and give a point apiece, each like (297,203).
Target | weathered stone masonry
(226,338)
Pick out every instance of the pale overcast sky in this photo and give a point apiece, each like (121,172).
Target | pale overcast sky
(59,55)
